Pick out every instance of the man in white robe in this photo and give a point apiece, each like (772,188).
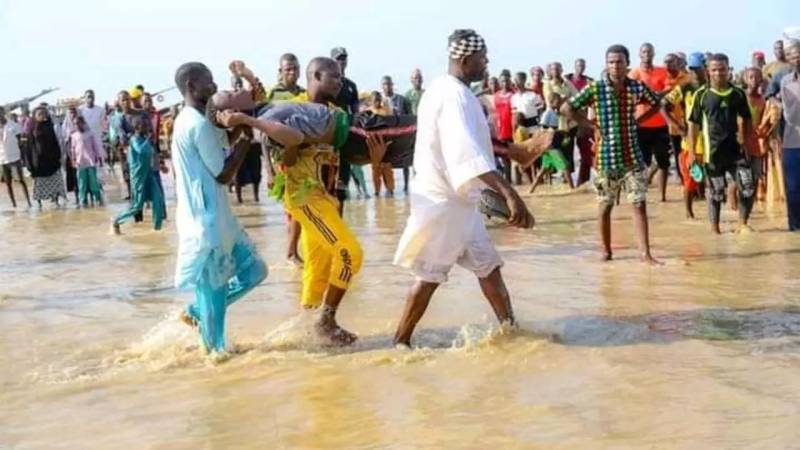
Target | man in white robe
(454,161)
(96,119)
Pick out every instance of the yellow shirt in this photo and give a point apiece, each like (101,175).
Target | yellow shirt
(772,68)
(684,96)
(677,112)
(313,175)
(566,91)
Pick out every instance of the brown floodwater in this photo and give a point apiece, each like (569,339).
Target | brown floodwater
(703,352)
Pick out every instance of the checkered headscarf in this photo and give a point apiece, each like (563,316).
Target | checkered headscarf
(466,45)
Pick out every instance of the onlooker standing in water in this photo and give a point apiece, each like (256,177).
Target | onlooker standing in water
(144,187)
(619,158)
(347,99)
(718,108)
(790,96)
(43,159)
(86,156)
(10,156)
(398,106)
(653,132)
(95,120)
(414,95)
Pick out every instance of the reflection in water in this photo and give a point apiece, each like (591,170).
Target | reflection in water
(702,352)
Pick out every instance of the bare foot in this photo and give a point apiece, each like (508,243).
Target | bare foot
(115,230)
(648,259)
(295,261)
(715,229)
(188,320)
(328,329)
(745,229)
(608,256)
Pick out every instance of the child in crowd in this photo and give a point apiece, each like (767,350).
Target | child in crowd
(755,99)
(144,187)
(553,160)
(86,156)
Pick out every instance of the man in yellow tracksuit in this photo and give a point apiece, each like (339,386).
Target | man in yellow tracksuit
(332,253)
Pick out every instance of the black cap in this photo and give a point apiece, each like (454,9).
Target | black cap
(339,52)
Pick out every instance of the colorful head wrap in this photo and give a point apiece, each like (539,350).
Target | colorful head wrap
(467,44)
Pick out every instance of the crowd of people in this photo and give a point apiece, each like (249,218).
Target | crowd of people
(726,136)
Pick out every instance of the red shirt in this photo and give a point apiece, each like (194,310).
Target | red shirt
(579,83)
(656,80)
(502,114)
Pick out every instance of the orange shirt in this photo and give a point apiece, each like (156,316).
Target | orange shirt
(757,106)
(656,80)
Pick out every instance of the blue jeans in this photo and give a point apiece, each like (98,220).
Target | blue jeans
(791,179)
(211,302)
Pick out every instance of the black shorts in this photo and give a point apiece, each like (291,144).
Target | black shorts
(735,167)
(655,143)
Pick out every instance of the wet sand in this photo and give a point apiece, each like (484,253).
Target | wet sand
(703,352)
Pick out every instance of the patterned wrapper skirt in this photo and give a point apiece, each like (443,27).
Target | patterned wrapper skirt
(49,188)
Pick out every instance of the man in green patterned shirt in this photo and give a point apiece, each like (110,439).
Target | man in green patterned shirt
(619,161)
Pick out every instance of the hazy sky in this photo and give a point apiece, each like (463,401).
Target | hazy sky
(110,44)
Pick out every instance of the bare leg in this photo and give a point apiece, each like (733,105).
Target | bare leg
(688,200)
(24,186)
(377,179)
(539,177)
(604,223)
(294,239)
(643,233)
(733,197)
(494,289)
(255,192)
(327,326)
(662,184)
(9,181)
(238,193)
(416,303)
(568,176)
(651,173)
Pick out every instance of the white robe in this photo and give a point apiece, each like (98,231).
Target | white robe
(453,148)
(96,118)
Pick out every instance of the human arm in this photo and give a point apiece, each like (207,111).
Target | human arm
(649,97)
(280,133)
(240,146)
(238,68)
(572,108)
(672,99)
(691,140)
(743,110)
(266,150)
